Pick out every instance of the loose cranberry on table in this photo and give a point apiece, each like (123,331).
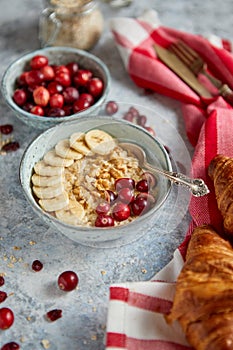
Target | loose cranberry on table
(67,281)
(111,107)
(6,318)
(11,346)
(2,281)
(10,146)
(37,265)
(6,129)
(54,314)
(3,296)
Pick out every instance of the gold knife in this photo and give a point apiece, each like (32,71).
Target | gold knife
(178,67)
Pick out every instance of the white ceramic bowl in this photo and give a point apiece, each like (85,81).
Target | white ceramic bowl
(58,56)
(123,131)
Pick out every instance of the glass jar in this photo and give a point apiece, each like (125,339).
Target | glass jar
(73,23)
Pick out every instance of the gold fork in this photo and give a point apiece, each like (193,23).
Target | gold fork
(197,65)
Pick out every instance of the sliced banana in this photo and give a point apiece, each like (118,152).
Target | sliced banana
(43,169)
(72,214)
(45,181)
(55,203)
(99,141)
(77,142)
(48,192)
(63,150)
(52,159)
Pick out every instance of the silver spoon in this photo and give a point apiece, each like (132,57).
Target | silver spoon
(197,186)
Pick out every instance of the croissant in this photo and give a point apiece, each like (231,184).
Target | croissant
(203,302)
(220,171)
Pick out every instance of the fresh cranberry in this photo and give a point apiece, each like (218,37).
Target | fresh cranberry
(6,129)
(80,105)
(67,281)
(70,94)
(2,281)
(56,112)
(21,80)
(3,296)
(149,198)
(34,78)
(126,195)
(151,179)
(110,196)
(72,67)
(87,97)
(139,205)
(141,120)
(102,208)
(111,107)
(56,101)
(129,117)
(37,265)
(38,61)
(82,77)
(142,185)
(6,318)
(41,96)
(48,73)
(54,315)
(63,78)
(37,110)
(20,97)
(104,220)
(68,109)
(54,87)
(28,106)
(10,346)
(150,130)
(10,146)
(95,86)
(124,182)
(121,211)
(61,69)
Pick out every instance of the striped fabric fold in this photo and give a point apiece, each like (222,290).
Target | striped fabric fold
(136,310)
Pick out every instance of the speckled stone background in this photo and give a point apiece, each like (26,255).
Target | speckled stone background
(24,237)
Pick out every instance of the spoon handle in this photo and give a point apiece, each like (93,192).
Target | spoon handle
(197,186)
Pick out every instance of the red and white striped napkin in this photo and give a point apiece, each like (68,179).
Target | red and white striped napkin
(136,310)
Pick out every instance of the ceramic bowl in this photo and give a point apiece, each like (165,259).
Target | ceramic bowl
(123,131)
(56,56)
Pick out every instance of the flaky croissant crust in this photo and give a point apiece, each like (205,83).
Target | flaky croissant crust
(220,171)
(203,302)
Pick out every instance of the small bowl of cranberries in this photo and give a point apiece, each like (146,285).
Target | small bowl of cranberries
(120,201)
(55,84)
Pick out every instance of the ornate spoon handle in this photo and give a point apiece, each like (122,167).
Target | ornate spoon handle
(197,186)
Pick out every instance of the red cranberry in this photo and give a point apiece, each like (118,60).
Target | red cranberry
(134,111)
(21,80)
(141,120)
(150,130)
(104,220)
(61,69)
(6,129)
(3,296)
(2,281)
(129,117)
(38,61)
(37,110)
(111,107)
(126,195)
(54,87)
(28,106)
(70,94)
(80,105)
(56,112)
(34,77)
(63,78)
(6,318)
(54,315)
(82,77)
(149,198)
(121,211)
(37,265)
(110,196)
(20,97)
(56,101)
(11,146)
(10,346)
(151,179)
(41,96)
(68,280)
(142,185)
(48,73)
(72,67)
(139,205)
(87,97)
(95,87)
(103,208)
(124,182)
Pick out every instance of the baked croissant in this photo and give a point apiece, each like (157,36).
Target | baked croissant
(220,171)
(203,302)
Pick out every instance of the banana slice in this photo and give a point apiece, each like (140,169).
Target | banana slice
(63,150)
(77,142)
(55,203)
(48,192)
(72,214)
(99,141)
(45,181)
(52,159)
(43,169)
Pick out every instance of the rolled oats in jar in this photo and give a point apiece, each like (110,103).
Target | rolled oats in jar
(73,23)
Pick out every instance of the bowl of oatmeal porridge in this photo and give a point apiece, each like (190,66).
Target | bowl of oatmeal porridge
(80,179)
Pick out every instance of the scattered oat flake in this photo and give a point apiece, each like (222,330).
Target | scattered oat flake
(45,343)
(17,248)
(144,271)
(22,339)
(32,242)
(10,265)
(103,272)
(93,337)
(94,309)
(28,318)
